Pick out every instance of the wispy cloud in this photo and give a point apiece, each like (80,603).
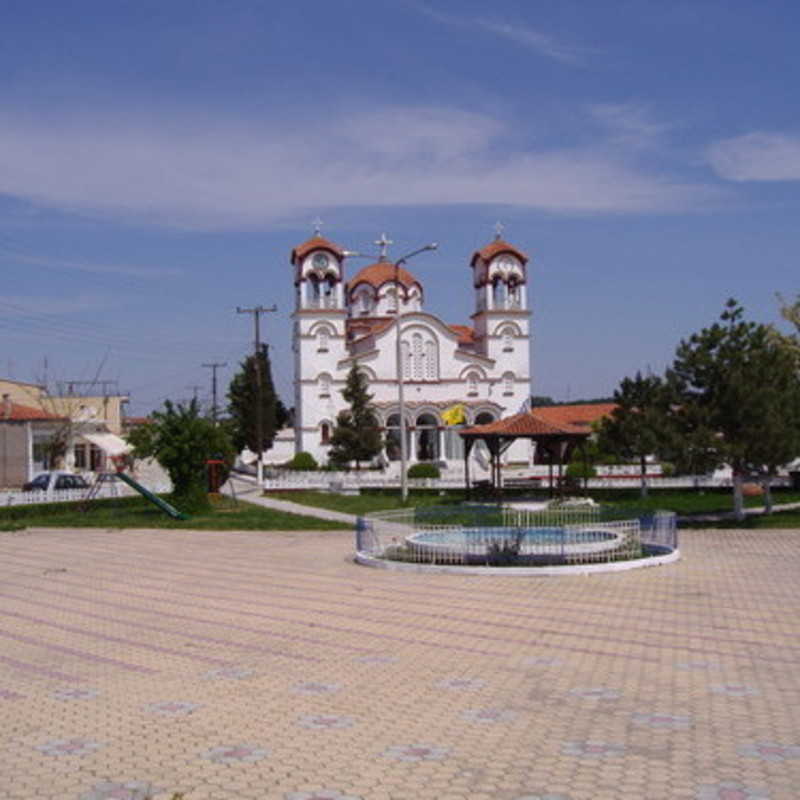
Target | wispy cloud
(629,124)
(96,269)
(542,43)
(235,174)
(24,306)
(759,156)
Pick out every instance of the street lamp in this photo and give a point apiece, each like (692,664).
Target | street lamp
(398,359)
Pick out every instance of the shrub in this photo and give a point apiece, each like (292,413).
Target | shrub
(577,469)
(303,462)
(423,470)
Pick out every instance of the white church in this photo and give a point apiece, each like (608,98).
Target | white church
(340,321)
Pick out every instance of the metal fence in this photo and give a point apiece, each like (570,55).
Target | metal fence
(503,536)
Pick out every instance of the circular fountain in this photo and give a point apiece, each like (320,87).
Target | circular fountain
(515,541)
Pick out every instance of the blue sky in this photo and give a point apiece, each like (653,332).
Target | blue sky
(158,161)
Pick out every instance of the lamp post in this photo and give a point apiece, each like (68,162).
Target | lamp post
(398,357)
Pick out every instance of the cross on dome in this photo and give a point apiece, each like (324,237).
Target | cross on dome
(498,230)
(317,223)
(383,243)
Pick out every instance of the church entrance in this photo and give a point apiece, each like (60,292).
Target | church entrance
(427,438)
(393,438)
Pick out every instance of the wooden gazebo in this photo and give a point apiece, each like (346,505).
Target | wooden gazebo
(556,438)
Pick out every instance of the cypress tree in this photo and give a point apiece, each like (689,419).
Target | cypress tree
(356,435)
(243,402)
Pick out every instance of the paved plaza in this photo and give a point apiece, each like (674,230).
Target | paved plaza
(222,665)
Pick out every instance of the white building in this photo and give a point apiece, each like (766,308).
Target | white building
(339,322)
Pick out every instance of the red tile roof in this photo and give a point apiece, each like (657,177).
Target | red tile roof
(580,414)
(19,413)
(368,327)
(315,243)
(466,335)
(495,248)
(383,272)
(526,424)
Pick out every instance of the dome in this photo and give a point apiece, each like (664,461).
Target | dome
(316,242)
(494,249)
(383,272)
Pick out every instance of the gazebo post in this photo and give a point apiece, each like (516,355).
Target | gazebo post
(468,442)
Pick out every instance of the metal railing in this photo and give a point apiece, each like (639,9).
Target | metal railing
(502,536)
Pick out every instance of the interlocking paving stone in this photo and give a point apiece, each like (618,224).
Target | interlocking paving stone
(267,665)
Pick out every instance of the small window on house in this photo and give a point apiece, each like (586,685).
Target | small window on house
(324,385)
(508,383)
(80,456)
(325,433)
(472,384)
(322,341)
(508,341)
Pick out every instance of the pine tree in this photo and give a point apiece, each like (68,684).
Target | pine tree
(243,403)
(639,425)
(356,435)
(739,391)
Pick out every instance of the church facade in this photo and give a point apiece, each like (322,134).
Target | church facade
(340,321)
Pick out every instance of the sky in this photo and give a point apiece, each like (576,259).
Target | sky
(159,161)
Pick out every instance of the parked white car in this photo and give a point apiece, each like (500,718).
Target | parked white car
(48,481)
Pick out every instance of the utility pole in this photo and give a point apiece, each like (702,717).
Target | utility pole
(214,366)
(195,389)
(257,311)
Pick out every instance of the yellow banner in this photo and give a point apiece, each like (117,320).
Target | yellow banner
(455,415)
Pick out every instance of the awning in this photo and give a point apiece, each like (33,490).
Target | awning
(108,442)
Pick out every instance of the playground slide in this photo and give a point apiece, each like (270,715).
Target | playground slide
(153,498)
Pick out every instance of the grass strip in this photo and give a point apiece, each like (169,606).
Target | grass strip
(136,512)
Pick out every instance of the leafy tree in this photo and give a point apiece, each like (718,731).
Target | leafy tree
(243,404)
(356,435)
(791,313)
(639,426)
(182,440)
(739,397)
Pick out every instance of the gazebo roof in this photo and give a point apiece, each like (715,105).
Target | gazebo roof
(527,425)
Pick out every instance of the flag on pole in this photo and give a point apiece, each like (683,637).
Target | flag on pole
(455,415)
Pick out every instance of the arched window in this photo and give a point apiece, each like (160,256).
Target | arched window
(365,303)
(417,355)
(508,383)
(431,360)
(322,340)
(514,293)
(324,385)
(405,359)
(472,384)
(484,418)
(508,340)
(330,291)
(498,292)
(325,433)
(391,301)
(314,292)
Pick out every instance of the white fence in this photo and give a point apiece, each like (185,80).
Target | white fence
(108,490)
(353,481)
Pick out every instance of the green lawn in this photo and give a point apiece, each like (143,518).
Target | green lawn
(681,501)
(136,512)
